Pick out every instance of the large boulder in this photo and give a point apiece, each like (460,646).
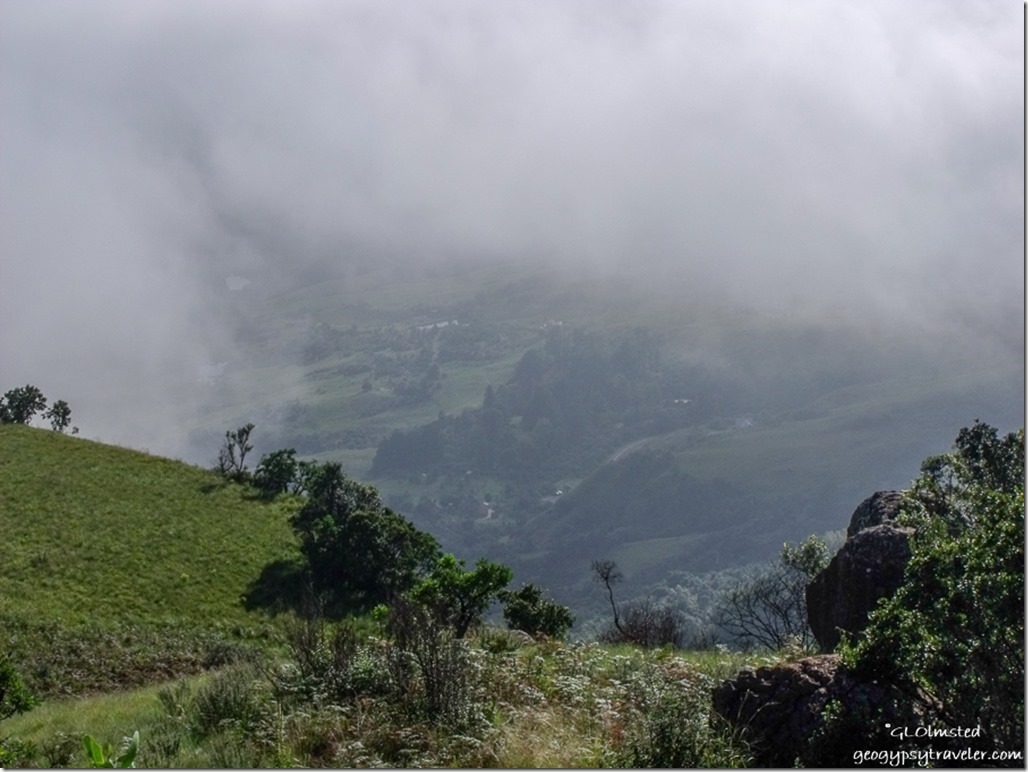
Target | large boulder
(877,509)
(816,712)
(868,567)
(779,708)
(784,713)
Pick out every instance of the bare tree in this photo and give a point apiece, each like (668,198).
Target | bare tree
(606,571)
(232,456)
(644,623)
(771,610)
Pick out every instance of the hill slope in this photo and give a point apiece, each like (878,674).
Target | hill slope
(98,532)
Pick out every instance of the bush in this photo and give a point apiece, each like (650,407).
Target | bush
(953,634)
(526,609)
(14,697)
(231,699)
(648,624)
(431,668)
(670,723)
(276,473)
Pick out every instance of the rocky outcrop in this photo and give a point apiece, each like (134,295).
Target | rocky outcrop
(878,508)
(869,566)
(783,712)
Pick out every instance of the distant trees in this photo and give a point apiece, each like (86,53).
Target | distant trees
(358,553)
(771,609)
(21,405)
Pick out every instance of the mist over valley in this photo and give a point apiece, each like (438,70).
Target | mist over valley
(663,283)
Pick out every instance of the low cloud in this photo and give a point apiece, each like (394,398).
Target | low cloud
(846,158)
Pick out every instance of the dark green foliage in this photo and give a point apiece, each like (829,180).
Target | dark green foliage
(459,598)
(59,415)
(230,698)
(358,551)
(566,406)
(770,610)
(14,697)
(18,406)
(276,473)
(955,629)
(526,609)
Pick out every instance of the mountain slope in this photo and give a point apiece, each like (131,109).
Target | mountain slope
(99,532)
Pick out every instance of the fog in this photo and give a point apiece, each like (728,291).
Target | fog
(858,159)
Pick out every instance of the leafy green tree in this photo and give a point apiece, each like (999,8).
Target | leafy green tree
(59,415)
(459,598)
(955,629)
(358,551)
(18,406)
(276,473)
(526,609)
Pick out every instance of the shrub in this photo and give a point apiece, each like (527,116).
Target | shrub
(231,699)
(953,634)
(526,609)
(431,668)
(669,722)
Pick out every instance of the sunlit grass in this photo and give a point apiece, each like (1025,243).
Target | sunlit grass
(95,531)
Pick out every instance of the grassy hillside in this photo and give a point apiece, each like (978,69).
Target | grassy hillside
(95,532)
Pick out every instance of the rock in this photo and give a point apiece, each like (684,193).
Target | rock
(869,566)
(781,711)
(878,508)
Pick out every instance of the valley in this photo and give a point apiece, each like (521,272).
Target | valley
(546,419)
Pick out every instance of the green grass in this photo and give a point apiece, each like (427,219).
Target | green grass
(96,532)
(107,717)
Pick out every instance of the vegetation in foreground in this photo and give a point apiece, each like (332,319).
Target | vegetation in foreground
(422,698)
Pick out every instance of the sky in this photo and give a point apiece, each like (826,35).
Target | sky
(863,158)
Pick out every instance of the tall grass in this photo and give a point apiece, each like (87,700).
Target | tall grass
(339,700)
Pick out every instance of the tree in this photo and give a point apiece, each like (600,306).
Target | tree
(276,473)
(459,598)
(771,609)
(18,406)
(232,456)
(954,630)
(606,571)
(59,415)
(526,609)
(358,551)
(644,623)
